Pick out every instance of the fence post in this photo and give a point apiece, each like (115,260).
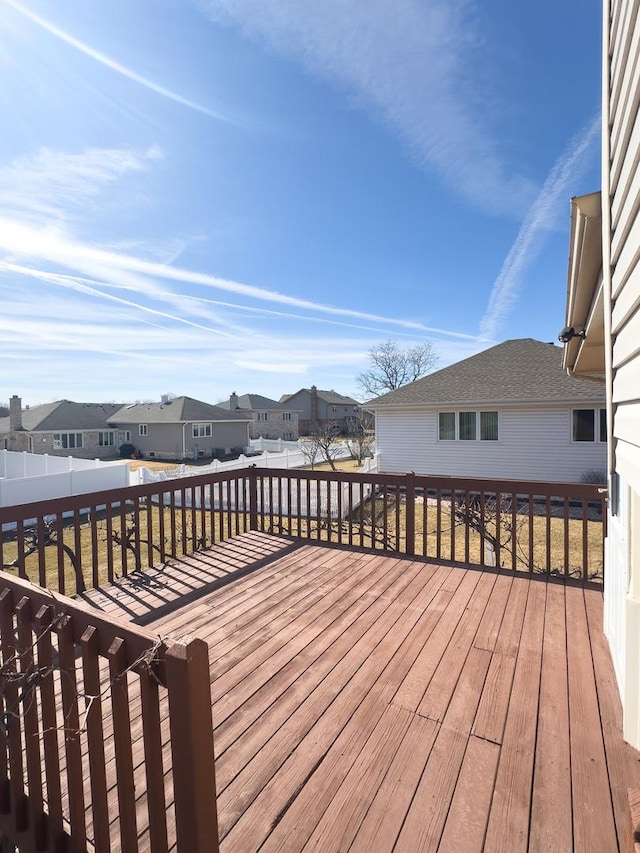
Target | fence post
(191,724)
(410,517)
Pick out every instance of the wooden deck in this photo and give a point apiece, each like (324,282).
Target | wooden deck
(374,703)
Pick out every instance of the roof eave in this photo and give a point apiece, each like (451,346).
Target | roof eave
(583,354)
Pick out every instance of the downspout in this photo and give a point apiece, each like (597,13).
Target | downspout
(184,442)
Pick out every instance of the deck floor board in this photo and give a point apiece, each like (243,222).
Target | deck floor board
(370,702)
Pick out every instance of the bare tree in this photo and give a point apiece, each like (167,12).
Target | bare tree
(322,442)
(359,439)
(327,437)
(392,367)
(310,448)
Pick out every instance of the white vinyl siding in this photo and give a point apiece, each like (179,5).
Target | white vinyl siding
(624,195)
(621,196)
(533,445)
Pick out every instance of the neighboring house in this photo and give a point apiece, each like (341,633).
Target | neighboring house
(269,419)
(321,407)
(181,428)
(510,412)
(63,428)
(602,336)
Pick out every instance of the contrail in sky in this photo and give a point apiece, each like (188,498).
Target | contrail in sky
(112,64)
(539,220)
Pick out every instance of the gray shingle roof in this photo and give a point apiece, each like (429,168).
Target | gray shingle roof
(254,402)
(522,370)
(64,415)
(327,396)
(178,410)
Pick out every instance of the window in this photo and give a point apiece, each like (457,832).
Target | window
(447,426)
(287,416)
(288,436)
(263,416)
(589,425)
(488,426)
(202,430)
(124,435)
(334,409)
(67,440)
(143,429)
(106,439)
(468,426)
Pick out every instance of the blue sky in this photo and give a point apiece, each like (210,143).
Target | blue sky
(206,196)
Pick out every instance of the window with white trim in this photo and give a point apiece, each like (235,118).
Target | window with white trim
(143,429)
(468,426)
(67,440)
(589,425)
(107,439)
(202,430)
(263,416)
(287,416)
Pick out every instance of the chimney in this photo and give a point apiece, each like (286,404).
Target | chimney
(233,401)
(15,413)
(314,404)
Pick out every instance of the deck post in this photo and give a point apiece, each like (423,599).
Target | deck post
(253,499)
(191,725)
(410,517)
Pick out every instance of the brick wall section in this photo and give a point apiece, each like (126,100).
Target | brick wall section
(91,449)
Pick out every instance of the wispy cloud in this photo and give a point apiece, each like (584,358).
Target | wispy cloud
(47,186)
(408,62)
(542,217)
(113,64)
(113,305)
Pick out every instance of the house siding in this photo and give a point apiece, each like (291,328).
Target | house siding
(533,445)
(621,255)
(275,426)
(42,442)
(175,441)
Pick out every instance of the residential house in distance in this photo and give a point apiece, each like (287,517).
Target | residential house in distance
(181,428)
(509,412)
(602,336)
(269,418)
(63,428)
(321,407)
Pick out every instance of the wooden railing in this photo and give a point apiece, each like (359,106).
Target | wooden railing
(106,738)
(70,544)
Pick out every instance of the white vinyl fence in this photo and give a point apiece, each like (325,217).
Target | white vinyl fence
(27,477)
(320,501)
(288,458)
(316,500)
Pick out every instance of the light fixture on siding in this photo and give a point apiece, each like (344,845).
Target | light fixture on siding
(569,333)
